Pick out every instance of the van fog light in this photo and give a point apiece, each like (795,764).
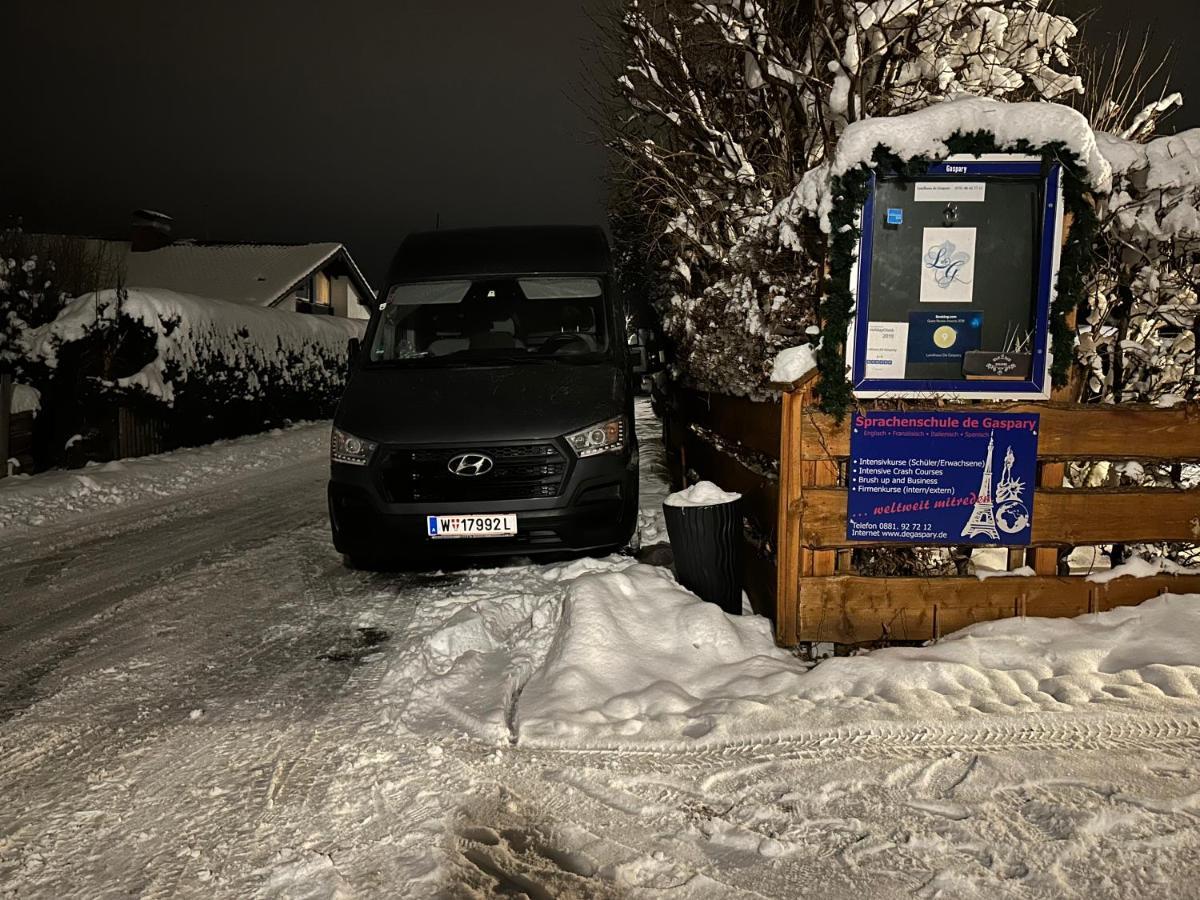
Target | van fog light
(603,437)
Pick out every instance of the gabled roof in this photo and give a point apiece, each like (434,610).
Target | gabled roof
(250,274)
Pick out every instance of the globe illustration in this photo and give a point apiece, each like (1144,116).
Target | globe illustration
(1012,516)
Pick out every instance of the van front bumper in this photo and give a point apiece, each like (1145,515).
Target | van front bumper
(596,511)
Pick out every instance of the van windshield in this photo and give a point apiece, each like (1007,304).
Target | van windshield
(507,319)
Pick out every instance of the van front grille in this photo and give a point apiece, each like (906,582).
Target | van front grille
(519,472)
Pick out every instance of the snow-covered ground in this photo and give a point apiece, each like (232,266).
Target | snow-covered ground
(36,500)
(196,699)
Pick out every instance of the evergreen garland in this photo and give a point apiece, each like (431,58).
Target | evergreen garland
(837,303)
(849,192)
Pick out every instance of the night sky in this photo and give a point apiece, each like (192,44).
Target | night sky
(355,121)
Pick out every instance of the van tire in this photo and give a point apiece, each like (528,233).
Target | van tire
(359,563)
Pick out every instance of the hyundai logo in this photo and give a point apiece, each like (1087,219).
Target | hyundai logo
(468,465)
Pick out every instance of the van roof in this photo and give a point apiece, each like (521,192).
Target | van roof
(574,249)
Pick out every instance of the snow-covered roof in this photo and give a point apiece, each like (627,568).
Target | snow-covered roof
(249,274)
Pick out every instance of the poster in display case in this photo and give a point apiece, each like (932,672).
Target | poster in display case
(954,280)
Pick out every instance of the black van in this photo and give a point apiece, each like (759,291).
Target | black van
(489,411)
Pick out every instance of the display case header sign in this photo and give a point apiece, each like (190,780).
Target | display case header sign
(933,477)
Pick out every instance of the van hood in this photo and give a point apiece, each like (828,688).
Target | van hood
(476,404)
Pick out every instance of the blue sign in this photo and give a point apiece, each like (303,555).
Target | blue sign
(933,477)
(895,216)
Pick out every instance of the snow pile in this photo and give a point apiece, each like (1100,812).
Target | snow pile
(250,351)
(793,363)
(471,646)
(25,399)
(703,493)
(36,500)
(634,648)
(924,134)
(638,660)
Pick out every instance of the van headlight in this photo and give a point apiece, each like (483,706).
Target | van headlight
(346,448)
(603,437)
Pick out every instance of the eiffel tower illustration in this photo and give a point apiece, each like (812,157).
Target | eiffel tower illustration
(983,518)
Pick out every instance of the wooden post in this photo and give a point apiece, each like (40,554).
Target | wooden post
(1045,559)
(812,473)
(787,584)
(6,396)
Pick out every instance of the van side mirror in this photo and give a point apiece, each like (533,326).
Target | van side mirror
(353,349)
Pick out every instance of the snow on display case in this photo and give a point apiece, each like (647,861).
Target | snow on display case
(954,280)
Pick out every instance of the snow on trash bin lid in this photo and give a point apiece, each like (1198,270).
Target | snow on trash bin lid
(702,493)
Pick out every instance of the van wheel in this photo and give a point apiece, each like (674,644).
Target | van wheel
(359,563)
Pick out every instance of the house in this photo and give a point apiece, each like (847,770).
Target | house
(319,278)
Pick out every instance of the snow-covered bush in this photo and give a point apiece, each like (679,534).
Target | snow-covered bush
(220,367)
(723,106)
(29,297)
(1139,340)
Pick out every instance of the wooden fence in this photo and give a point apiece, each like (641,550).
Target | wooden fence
(137,433)
(20,442)
(803,570)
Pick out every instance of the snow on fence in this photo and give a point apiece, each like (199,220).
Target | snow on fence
(789,462)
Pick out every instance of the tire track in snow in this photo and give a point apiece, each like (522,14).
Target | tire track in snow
(822,815)
(1070,731)
(275,702)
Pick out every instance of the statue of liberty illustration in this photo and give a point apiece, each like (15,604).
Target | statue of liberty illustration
(1011,515)
(1007,513)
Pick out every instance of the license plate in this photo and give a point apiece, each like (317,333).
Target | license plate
(481,525)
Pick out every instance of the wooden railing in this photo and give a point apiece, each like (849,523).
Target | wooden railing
(804,571)
(735,443)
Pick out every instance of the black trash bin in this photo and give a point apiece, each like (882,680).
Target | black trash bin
(706,542)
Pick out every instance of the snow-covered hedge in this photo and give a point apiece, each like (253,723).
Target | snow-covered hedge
(1139,339)
(726,105)
(200,357)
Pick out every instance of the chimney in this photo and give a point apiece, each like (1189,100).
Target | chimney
(151,230)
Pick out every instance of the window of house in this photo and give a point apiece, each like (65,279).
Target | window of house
(321,288)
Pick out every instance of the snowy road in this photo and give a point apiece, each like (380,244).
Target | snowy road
(57,580)
(196,699)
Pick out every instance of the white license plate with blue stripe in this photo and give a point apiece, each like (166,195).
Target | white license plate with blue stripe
(472,525)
